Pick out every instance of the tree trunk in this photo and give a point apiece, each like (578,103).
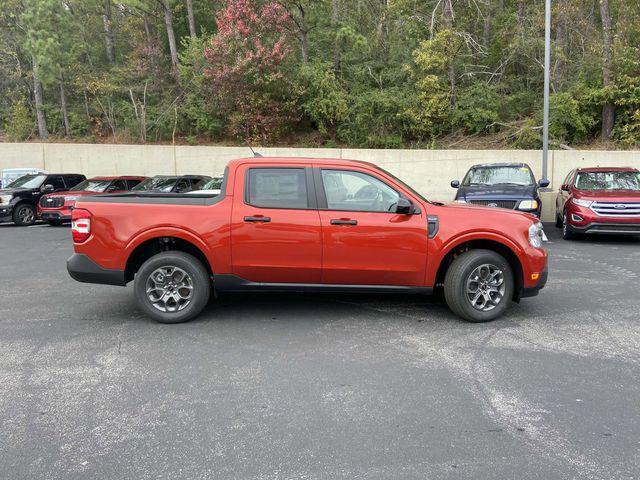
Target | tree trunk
(192,20)
(447,18)
(108,34)
(335,14)
(65,111)
(37,95)
(608,109)
(168,21)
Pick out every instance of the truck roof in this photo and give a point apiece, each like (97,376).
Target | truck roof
(118,177)
(501,164)
(343,162)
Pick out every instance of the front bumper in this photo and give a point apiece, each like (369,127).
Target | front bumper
(54,217)
(83,269)
(584,220)
(607,228)
(6,213)
(533,291)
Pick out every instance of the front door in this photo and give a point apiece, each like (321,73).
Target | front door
(276,236)
(364,241)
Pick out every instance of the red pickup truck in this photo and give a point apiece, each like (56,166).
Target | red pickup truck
(301,224)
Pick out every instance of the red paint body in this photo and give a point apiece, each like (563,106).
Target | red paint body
(302,246)
(602,216)
(63,211)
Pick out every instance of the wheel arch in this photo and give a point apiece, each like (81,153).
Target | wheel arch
(502,247)
(154,242)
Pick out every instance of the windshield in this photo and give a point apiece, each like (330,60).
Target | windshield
(493,175)
(157,184)
(608,181)
(28,181)
(92,186)
(213,184)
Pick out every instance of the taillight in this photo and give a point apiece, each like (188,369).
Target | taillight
(80,225)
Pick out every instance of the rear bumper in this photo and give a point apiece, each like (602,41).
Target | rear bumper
(83,269)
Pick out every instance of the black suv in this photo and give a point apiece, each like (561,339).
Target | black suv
(19,200)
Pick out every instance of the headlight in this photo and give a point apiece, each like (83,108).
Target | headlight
(536,235)
(5,199)
(582,203)
(528,205)
(70,198)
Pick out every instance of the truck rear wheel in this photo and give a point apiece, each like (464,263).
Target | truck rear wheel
(172,287)
(479,285)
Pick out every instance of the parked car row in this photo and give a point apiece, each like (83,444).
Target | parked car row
(52,196)
(590,200)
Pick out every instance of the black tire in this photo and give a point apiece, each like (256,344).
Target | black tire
(24,215)
(558,221)
(459,273)
(198,274)
(567,233)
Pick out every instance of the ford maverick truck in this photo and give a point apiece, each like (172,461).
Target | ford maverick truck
(283,224)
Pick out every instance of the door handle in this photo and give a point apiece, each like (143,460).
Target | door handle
(343,221)
(257,219)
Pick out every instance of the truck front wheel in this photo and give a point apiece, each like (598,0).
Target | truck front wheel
(479,285)
(172,287)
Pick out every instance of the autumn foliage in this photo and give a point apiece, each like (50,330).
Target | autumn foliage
(247,59)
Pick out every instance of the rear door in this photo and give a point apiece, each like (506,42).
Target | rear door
(364,241)
(276,236)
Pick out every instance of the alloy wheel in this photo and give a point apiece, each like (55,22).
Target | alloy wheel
(26,215)
(169,289)
(485,287)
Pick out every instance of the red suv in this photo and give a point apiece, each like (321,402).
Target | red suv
(55,208)
(306,225)
(599,200)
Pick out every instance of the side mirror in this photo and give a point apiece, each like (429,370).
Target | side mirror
(405,207)
(564,187)
(48,188)
(455,184)
(544,183)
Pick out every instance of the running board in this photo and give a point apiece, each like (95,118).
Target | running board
(233,283)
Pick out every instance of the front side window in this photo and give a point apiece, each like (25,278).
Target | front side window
(357,192)
(277,188)
(57,182)
(608,181)
(499,175)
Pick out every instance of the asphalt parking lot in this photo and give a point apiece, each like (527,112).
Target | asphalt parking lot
(308,386)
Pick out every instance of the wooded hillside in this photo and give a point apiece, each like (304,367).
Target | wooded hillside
(361,73)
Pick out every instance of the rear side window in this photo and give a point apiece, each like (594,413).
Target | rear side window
(132,183)
(277,188)
(117,186)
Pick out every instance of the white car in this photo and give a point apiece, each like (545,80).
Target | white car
(8,175)
(212,187)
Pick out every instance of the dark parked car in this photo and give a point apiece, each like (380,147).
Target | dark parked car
(171,184)
(55,208)
(503,185)
(599,200)
(19,201)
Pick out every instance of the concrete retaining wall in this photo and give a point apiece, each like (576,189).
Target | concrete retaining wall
(428,171)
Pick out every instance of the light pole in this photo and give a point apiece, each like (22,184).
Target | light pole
(547,66)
